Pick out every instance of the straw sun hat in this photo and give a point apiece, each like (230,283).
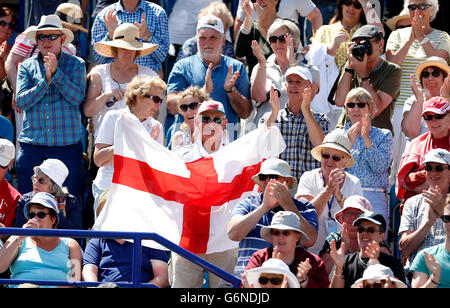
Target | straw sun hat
(432,61)
(48,22)
(71,15)
(337,140)
(392,22)
(126,36)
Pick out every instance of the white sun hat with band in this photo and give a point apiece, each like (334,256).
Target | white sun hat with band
(336,140)
(47,23)
(125,36)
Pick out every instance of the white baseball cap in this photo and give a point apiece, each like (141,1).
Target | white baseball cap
(211,22)
(55,170)
(211,105)
(300,71)
(7,152)
(440,156)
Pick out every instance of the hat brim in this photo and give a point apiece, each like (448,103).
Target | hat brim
(30,33)
(254,273)
(339,216)
(399,284)
(426,64)
(316,153)
(106,48)
(392,22)
(75,26)
(267,236)
(293,183)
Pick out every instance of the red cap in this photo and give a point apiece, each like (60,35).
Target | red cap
(437,104)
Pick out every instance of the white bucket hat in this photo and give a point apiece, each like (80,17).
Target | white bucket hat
(272,266)
(48,22)
(337,140)
(55,170)
(282,220)
(278,167)
(377,272)
(354,202)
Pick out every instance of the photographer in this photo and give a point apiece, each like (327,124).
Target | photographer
(366,68)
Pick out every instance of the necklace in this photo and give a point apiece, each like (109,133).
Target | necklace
(361,260)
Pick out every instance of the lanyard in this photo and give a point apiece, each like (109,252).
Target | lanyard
(330,202)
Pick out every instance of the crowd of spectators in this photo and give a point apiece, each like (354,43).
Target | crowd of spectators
(359,90)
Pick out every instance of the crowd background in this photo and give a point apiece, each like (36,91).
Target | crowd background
(265,61)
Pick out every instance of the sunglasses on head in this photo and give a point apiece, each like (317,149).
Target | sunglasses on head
(356,4)
(263,177)
(333,157)
(445,218)
(360,105)
(9,25)
(438,168)
(273,39)
(282,232)
(39,215)
(192,106)
(50,37)
(208,119)
(274,280)
(420,6)
(435,73)
(154,98)
(370,230)
(429,117)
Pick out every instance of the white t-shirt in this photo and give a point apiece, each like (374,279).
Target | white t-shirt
(105,135)
(311,184)
(288,9)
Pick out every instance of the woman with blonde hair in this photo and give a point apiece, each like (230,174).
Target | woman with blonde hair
(372,149)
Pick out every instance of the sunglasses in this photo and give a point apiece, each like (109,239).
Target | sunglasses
(437,168)
(154,98)
(34,179)
(111,102)
(356,4)
(360,105)
(208,119)
(370,230)
(445,218)
(273,39)
(333,157)
(420,6)
(50,37)
(4,24)
(263,177)
(434,73)
(429,117)
(402,26)
(283,232)
(192,106)
(274,280)
(374,285)
(39,215)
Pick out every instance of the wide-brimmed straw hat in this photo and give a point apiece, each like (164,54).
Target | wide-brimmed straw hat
(71,15)
(392,22)
(337,140)
(432,61)
(125,36)
(47,23)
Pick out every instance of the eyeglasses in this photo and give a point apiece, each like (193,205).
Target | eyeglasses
(283,232)
(374,285)
(156,99)
(420,6)
(360,105)
(50,37)
(370,230)
(333,157)
(273,39)
(192,106)
(4,24)
(40,180)
(445,218)
(438,168)
(274,280)
(39,215)
(429,117)
(263,177)
(434,73)
(207,119)
(356,4)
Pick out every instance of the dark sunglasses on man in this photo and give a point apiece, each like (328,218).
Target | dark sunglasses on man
(263,177)
(50,37)
(208,119)
(429,117)
(438,168)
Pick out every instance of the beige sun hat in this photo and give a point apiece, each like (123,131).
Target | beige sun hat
(337,140)
(47,23)
(126,36)
(392,22)
(278,167)
(432,61)
(71,15)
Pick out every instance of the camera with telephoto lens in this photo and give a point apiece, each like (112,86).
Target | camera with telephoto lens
(359,50)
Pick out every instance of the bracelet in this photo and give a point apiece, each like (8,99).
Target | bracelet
(334,274)
(304,280)
(350,70)
(436,283)
(231,91)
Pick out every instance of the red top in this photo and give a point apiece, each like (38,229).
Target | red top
(9,197)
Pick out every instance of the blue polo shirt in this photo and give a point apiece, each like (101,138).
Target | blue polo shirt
(191,71)
(253,241)
(114,260)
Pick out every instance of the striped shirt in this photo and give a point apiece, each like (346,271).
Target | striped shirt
(298,145)
(52,114)
(156,22)
(416,54)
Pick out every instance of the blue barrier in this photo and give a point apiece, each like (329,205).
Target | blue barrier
(137,238)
